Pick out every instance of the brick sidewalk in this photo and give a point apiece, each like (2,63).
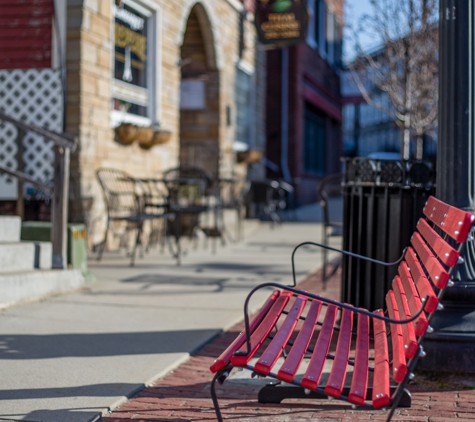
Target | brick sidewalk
(183,395)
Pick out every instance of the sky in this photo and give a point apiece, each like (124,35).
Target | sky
(353,10)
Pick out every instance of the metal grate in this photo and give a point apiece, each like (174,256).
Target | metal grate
(33,96)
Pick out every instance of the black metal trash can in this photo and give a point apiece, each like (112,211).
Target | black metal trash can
(382,201)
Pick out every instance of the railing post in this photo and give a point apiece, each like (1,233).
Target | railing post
(59,216)
(20,203)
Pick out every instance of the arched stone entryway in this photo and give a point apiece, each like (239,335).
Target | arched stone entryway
(199,105)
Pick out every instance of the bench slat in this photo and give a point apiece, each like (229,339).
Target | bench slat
(397,339)
(336,380)
(359,383)
(422,283)
(274,349)
(453,221)
(290,367)
(435,269)
(408,334)
(444,251)
(226,356)
(262,331)
(413,299)
(314,371)
(381,391)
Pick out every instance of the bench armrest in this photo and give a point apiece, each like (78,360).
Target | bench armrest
(354,255)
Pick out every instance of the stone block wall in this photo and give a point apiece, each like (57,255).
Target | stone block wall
(90,50)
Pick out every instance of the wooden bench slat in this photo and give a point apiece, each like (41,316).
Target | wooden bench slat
(446,253)
(453,221)
(290,367)
(397,339)
(263,330)
(314,371)
(337,376)
(408,334)
(359,383)
(436,271)
(422,283)
(226,356)
(381,391)
(413,299)
(274,349)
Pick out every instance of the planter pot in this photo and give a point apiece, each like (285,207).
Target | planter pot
(144,135)
(126,133)
(161,137)
(250,156)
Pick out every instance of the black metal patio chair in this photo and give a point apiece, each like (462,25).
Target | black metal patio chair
(232,196)
(191,192)
(124,200)
(270,198)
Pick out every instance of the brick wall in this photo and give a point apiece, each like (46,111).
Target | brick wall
(306,67)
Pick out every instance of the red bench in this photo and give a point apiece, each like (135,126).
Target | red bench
(376,352)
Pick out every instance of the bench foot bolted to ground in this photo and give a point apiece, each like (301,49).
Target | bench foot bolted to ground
(369,356)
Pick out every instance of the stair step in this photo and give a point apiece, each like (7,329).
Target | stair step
(10,228)
(33,285)
(25,256)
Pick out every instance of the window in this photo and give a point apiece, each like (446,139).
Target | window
(243,106)
(312,38)
(329,36)
(133,84)
(316,23)
(314,141)
(320,29)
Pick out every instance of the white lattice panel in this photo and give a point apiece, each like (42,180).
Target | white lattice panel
(33,96)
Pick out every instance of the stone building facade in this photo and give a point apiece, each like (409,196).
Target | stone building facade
(173,63)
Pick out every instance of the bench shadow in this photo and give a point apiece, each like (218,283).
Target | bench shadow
(48,346)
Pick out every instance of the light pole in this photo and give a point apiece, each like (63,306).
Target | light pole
(452,346)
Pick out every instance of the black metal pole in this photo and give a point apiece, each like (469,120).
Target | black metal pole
(452,346)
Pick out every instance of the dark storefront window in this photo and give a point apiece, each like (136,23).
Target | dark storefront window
(314,141)
(243,106)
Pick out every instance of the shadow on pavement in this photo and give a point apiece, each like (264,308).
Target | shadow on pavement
(24,346)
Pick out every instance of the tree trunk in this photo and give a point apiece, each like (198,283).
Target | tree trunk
(406,139)
(420,147)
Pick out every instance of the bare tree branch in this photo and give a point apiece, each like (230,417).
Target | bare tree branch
(405,67)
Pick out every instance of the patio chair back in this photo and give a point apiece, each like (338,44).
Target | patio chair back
(120,193)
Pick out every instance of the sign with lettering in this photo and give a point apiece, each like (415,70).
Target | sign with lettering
(130,30)
(192,94)
(281,22)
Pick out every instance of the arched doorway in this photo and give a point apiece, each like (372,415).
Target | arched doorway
(199,97)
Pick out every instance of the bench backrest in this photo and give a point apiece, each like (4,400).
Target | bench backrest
(423,276)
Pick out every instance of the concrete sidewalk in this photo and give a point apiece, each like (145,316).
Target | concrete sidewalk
(74,357)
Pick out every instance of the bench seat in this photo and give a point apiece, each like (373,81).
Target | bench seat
(374,353)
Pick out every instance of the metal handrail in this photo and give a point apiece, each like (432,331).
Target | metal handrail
(64,140)
(64,144)
(24,177)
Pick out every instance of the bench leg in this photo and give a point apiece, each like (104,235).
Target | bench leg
(220,376)
(276,392)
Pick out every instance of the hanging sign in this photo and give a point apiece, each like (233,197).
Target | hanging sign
(281,22)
